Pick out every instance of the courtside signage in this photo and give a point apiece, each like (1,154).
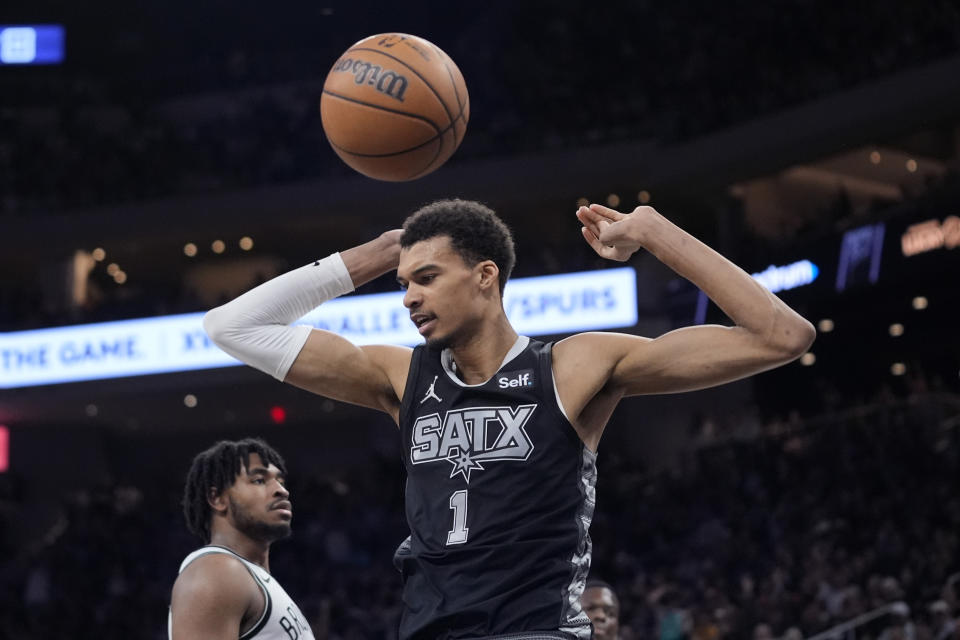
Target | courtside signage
(542,305)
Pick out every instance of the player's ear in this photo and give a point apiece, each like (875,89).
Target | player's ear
(217,500)
(489,274)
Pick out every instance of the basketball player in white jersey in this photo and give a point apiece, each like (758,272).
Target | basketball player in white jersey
(236,502)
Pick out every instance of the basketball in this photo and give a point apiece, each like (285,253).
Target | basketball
(394,107)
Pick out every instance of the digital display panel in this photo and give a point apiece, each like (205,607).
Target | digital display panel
(31,44)
(542,305)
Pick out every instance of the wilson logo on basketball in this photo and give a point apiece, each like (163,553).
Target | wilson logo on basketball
(387,82)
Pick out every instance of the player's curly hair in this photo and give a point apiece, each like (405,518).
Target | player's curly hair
(217,468)
(475,232)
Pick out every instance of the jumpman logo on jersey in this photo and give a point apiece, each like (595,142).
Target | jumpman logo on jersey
(431,393)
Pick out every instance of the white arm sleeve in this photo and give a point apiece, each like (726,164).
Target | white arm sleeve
(254,328)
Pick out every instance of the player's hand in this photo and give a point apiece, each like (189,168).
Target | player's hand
(610,233)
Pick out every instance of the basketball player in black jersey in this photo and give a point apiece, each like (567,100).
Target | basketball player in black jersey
(236,502)
(500,432)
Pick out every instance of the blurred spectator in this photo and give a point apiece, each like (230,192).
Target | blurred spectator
(900,627)
(602,606)
(762,631)
(673,620)
(942,625)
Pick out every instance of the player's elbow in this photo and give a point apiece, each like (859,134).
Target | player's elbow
(216,323)
(794,337)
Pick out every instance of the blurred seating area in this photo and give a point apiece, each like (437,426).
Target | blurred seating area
(802,526)
(783,532)
(130,118)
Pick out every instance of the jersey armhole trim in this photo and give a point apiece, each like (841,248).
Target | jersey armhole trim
(267,609)
(556,394)
(406,402)
(546,369)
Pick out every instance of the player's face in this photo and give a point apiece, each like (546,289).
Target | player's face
(442,290)
(259,502)
(601,607)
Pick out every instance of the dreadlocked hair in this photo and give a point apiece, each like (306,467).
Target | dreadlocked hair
(217,469)
(475,232)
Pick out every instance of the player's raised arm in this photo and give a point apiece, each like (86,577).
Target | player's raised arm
(767,332)
(255,328)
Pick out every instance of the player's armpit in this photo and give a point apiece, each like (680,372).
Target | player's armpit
(369,376)
(213,598)
(695,358)
(582,366)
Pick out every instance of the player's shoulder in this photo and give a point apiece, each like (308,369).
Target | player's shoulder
(215,591)
(214,576)
(587,360)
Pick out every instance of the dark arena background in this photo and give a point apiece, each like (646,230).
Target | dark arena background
(158,158)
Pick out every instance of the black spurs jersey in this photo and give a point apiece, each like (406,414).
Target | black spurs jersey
(499,498)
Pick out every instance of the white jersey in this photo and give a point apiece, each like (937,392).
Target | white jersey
(281,619)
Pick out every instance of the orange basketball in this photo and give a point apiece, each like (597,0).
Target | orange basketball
(394,107)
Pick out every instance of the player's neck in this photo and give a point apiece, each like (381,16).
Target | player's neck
(255,551)
(480,356)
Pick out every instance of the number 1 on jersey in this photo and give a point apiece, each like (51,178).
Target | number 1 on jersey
(458,502)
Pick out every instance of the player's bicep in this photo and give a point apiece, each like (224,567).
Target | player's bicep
(692,358)
(332,366)
(209,603)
